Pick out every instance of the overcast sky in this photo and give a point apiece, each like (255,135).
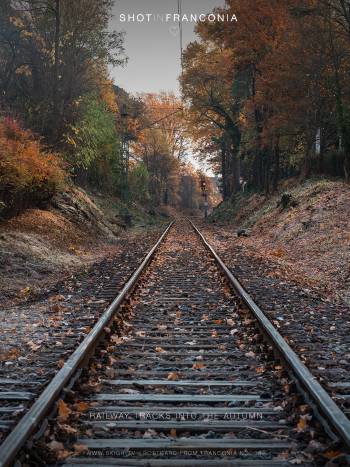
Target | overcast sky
(153,47)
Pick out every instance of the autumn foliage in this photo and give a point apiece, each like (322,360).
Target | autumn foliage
(161,144)
(55,59)
(28,174)
(268,97)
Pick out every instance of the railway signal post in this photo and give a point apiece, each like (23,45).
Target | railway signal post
(205,196)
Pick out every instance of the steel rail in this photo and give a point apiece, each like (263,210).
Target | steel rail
(328,409)
(41,407)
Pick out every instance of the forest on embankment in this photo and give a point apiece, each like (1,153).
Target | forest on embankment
(269,95)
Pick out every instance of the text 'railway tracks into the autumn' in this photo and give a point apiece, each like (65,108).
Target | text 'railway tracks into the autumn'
(183,368)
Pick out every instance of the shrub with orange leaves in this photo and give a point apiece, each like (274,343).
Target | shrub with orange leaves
(29,176)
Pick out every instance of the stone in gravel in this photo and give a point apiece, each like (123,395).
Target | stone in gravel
(243,233)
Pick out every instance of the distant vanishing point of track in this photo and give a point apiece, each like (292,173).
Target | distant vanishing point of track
(182,369)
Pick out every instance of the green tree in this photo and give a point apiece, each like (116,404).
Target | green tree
(50,51)
(95,152)
(138,183)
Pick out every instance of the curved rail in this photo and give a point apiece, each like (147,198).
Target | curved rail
(329,411)
(35,415)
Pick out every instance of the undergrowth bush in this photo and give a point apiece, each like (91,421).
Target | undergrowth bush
(29,176)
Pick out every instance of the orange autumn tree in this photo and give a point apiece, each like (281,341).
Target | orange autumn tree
(161,145)
(164,111)
(29,175)
(231,63)
(286,70)
(212,106)
(263,48)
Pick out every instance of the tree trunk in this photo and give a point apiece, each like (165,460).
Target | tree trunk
(306,170)
(57,63)
(342,123)
(267,170)
(236,172)
(321,161)
(276,172)
(234,163)
(346,166)
(225,190)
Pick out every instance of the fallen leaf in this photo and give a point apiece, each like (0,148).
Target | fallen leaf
(56,298)
(331,454)
(278,252)
(173,376)
(68,429)
(60,363)
(25,291)
(82,406)
(198,366)
(11,354)
(79,448)
(34,347)
(56,308)
(302,424)
(63,411)
(116,339)
(112,360)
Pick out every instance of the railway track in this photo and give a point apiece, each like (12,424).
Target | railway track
(40,335)
(181,370)
(317,329)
